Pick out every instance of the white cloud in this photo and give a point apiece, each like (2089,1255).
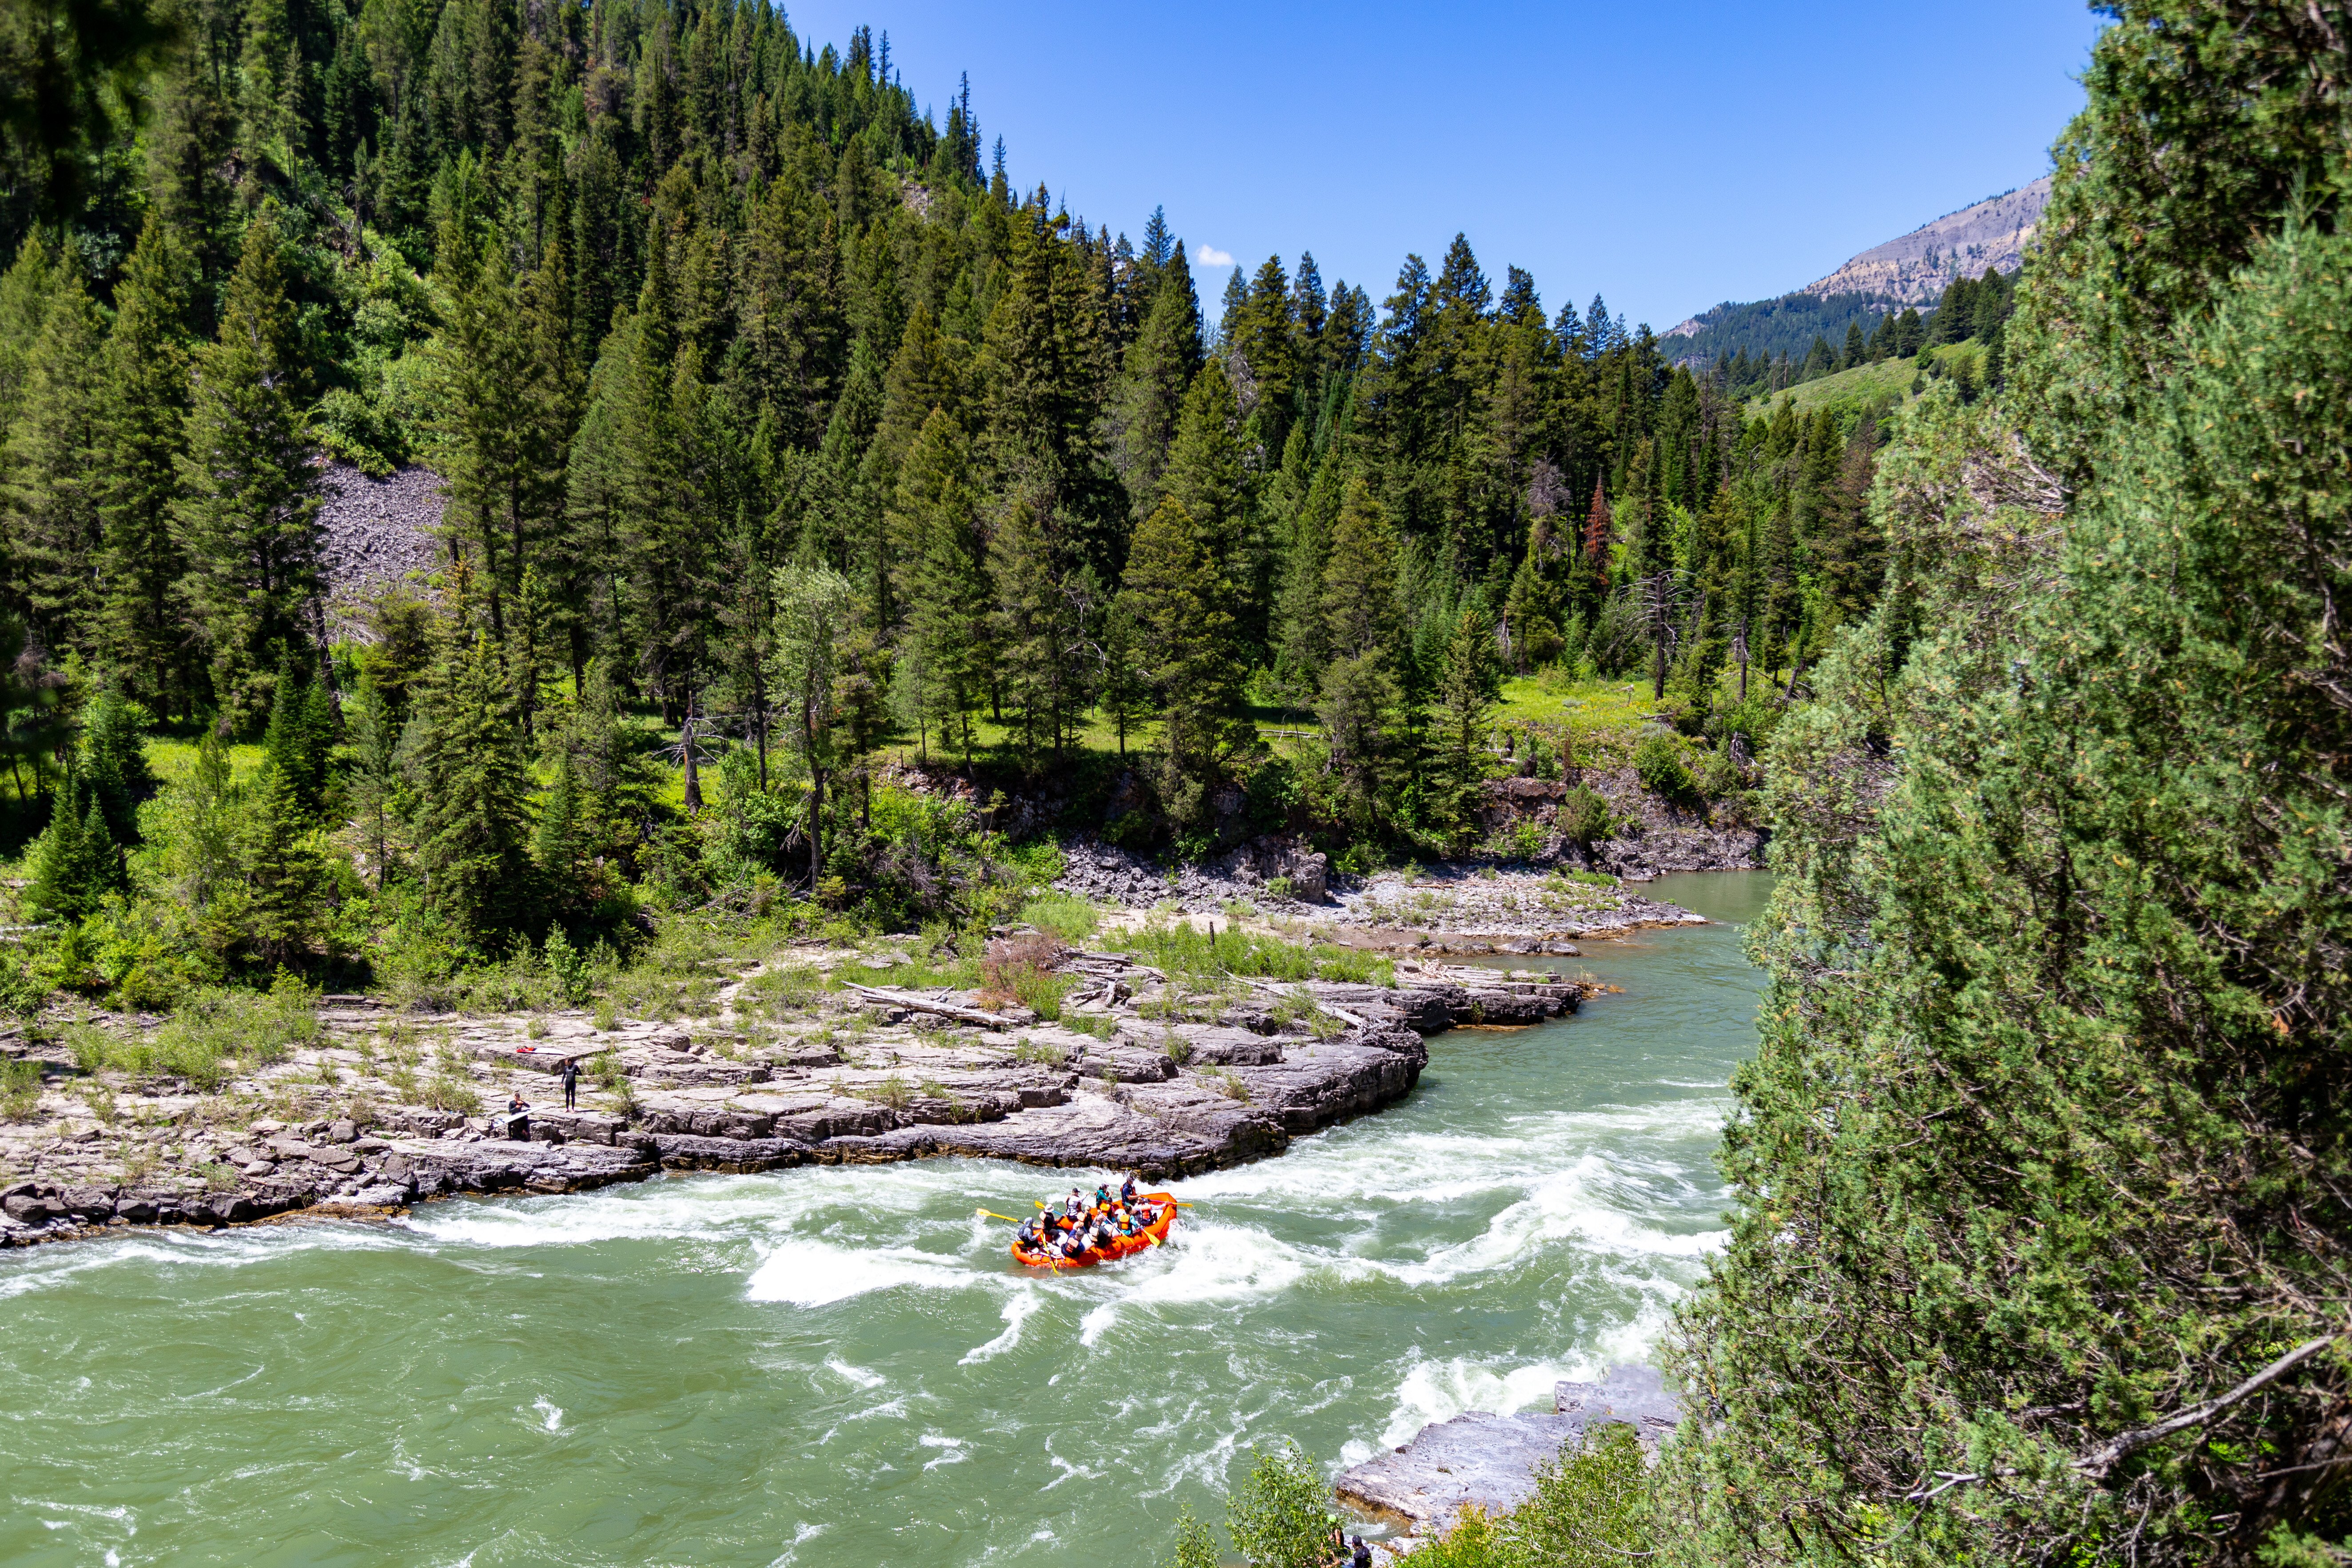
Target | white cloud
(1209,256)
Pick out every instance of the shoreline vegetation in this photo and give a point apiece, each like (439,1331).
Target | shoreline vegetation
(1147,1040)
(779,435)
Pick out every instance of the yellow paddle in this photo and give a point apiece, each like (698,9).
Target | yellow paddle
(992,1214)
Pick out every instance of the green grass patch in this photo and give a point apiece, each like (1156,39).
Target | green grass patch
(1061,915)
(1181,951)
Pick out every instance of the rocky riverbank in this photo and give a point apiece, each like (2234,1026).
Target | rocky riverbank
(810,1058)
(1455,907)
(1487,1461)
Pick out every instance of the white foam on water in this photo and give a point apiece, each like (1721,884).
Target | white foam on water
(711,1208)
(856,1375)
(810,1273)
(1097,1323)
(1433,1391)
(802,1533)
(46,1267)
(1342,1169)
(1595,1201)
(1018,1306)
(1439,1390)
(552,1414)
(953,1450)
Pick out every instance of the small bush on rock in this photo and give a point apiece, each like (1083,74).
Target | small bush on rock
(1585,818)
(1658,762)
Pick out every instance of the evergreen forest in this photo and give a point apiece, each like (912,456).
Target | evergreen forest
(779,432)
(783,434)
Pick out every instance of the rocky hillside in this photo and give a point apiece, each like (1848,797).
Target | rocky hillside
(376,533)
(1916,268)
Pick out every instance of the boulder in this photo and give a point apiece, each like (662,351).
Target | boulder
(688,1151)
(1483,1460)
(1476,1461)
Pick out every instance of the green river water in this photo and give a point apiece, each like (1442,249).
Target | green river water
(843,1366)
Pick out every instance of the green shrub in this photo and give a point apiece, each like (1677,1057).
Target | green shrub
(1016,970)
(891,1091)
(1071,919)
(1178,949)
(1593,1505)
(1525,841)
(1718,775)
(1196,1547)
(1280,1518)
(20,1089)
(1658,762)
(1585,818)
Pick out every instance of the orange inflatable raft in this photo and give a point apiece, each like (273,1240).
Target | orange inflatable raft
(1161,1206)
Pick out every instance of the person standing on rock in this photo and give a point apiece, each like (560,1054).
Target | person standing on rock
(571,1081)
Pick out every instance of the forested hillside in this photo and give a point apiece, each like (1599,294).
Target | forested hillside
(770,410)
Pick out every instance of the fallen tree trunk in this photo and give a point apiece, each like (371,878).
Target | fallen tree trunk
(925,1005)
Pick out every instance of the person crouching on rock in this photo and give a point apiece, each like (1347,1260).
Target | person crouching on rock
(519,1118)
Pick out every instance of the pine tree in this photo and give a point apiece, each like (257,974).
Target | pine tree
(374,777)
(1362,615)
(617,779)
(300,737)
(114,763)
(1303,635)
(2080,980)
(1149,398)
(282,869)
(1035,629)
(1468,682)
(562,840)
(946,589)
(1207,475)
(74,864)
(56,469)
(1531,616)
(1190,661)
(494,475)
(143,429)
(248,512)
(652,461)
(472,815)
(1360,695)
(1123,691)
(201,814)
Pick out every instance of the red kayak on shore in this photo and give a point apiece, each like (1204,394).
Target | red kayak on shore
(1151,1235)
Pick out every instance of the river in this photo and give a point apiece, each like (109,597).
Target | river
(842,1366)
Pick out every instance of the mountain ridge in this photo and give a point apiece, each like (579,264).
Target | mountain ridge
(1915,269)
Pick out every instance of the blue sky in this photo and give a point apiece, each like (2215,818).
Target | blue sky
(1666,156)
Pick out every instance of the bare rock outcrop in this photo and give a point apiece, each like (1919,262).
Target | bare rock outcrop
(375,534)
(1483,1460)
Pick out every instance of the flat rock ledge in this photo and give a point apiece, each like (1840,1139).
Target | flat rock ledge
(1486,1461)
(1165,1097)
